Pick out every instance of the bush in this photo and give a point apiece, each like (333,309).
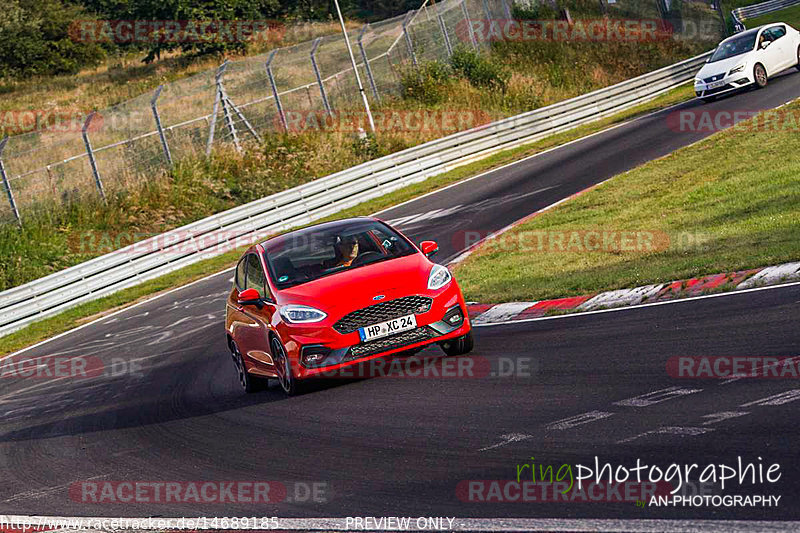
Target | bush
(479,69)
(428,84)
(34,39)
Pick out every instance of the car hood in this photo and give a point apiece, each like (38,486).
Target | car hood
(338,294)
(722,66)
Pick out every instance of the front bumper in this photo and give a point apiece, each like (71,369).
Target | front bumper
(729,83)
(343,350)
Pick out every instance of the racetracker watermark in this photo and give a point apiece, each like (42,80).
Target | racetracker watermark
(16,122)
(389,121)
(67,367)
(710,121)
(436,367)
(201,492)
(734,367)
(599,240)
(584,30)
(497,491)
(176,31)
(178,242)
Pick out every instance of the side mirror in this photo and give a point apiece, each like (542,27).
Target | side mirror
(428,248)
(249,297)
(765,44)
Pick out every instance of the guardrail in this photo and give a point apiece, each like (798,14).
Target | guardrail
(184,246)
(740,14)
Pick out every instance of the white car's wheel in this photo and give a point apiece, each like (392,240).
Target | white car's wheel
(797,66)
(760,75)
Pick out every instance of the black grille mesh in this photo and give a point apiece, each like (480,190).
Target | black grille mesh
(382,312)
(389,343)
(715,77)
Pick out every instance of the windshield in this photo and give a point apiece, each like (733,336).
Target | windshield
(734,47)
(310,254)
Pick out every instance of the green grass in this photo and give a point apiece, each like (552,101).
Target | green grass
(735,196)
(83,313)
(790,15)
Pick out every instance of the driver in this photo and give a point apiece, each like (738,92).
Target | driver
(346,249)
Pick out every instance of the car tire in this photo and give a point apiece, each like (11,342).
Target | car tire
(760,75)
(458,346)
(286,379)
(797,66)
(247,381)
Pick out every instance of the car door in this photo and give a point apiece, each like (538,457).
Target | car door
(774,57)
(253,334)
(786,52)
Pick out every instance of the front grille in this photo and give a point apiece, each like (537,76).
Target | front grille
(714,78)
(406,338)
(382,312)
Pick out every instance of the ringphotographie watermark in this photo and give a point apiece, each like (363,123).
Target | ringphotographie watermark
(175,31)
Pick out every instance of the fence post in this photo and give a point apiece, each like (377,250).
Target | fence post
(325,101)
(154,106)
(90,153)
(226,115)
(275,90)
(487,11)
(409,44)
(443,28)
(7,184)
(213,121)
(469,24)
(367,66)
(507,9)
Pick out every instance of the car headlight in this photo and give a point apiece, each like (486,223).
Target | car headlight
(439,277)
(302,314)
(698,81)
(734,70)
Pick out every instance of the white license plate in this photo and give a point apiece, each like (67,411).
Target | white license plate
(716,84)
(390,327)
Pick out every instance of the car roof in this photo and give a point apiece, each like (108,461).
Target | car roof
(336,225)
(754,30)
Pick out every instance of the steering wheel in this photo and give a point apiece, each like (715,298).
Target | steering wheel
(364,257)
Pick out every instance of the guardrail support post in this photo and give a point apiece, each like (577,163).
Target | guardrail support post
(154,107)
(407,36)
(218,96)
(443,29)
(90,153)
(275,90)
(322,92)
(468,22)
(6,184)
(367,66)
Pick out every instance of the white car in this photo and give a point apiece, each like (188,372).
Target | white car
(748,58)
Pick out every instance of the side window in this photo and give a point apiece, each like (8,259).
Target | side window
(240,274)
(777,32)
(255,276)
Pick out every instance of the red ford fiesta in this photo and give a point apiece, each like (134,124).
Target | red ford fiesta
(336,294)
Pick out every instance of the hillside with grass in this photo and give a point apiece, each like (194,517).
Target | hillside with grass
(506,79)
